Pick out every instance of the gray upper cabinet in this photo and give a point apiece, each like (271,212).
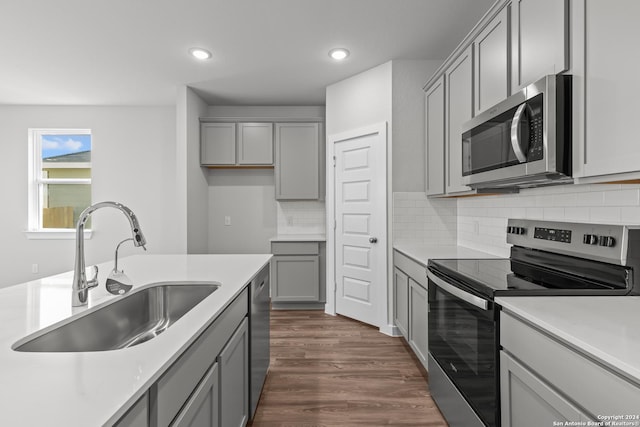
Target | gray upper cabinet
(539,40)
(218,144)
(459,109)
(255,143)
(491,53)
(609,96)
(435,134)
(236,144)
(298,172)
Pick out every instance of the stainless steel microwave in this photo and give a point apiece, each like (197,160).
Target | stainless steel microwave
(524,141)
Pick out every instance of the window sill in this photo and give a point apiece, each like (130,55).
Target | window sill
(55,234)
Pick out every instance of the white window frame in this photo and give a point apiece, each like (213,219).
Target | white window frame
(36,186)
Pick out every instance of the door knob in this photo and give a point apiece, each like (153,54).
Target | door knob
(373,240)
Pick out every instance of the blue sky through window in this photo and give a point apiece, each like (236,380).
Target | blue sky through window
(60,144)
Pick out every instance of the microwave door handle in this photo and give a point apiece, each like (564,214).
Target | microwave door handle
(465,296)
(515,134)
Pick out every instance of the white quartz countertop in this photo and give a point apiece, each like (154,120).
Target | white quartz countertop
(423,253)
(299,238)
(96,388)
(606,328)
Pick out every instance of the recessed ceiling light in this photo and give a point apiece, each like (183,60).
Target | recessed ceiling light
(339,53)
(200,53)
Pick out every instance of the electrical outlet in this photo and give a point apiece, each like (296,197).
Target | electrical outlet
(476,227)
(289,220)
(34,268)
(227,220)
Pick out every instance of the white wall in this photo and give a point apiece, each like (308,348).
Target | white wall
(133,162)
(408,115)
(191,178)
(247,197)
(359,101)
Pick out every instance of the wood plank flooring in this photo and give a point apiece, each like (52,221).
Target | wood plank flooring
(334,371)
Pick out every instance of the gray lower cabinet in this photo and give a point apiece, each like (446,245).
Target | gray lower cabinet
(401,301)
(542,379)
(234,379)
(296,269)
(208,385)
(411,304)
(138,415)
(299,154)
(418,321)
(203,407)
(527,401)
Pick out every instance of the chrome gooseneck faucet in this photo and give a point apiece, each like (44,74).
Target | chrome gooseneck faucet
(80,286)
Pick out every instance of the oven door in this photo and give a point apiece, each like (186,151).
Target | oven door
(463,340)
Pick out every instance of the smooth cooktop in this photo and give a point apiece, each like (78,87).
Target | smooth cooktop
(503,276)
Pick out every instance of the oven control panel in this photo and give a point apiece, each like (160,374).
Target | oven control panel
(601,242)
(552,234)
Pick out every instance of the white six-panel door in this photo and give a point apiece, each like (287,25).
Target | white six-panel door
(360,227)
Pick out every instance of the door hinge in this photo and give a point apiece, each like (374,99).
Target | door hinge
(335,224)
(334,161)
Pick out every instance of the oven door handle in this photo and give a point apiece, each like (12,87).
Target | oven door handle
(481,303)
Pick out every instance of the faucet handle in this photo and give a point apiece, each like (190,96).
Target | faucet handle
(93,282)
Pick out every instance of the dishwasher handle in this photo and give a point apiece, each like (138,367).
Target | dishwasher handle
(467,297)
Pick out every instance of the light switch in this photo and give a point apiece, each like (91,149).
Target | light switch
(227,220)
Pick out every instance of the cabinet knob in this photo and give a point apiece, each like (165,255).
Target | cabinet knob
(373,240)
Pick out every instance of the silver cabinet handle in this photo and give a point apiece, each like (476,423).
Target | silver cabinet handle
(373,240)
(465,296)
(515,138)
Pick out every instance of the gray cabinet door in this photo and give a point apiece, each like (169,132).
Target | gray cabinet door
(434,134)
(539,40)
(459,109)
(255,143)
(234,379)
(527,401)
(401,301)
(297,164)
(218,143)
(138,415)
(611,89)
(202,409)
(491,54)
(296,278)
(418,320)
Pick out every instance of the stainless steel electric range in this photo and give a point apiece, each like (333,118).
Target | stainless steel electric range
(547,258)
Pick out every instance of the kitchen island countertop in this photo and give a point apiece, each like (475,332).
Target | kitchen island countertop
(96,388)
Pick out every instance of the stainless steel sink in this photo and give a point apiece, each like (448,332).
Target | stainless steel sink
(131,320)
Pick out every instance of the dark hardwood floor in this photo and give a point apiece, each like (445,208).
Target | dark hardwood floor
(334,371)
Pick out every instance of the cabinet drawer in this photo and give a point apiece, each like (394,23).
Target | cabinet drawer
(295,248)
(177,384)
(567,370)
(416,271)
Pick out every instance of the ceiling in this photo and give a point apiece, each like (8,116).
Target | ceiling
(265,52)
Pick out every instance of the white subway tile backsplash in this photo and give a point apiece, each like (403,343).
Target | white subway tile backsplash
(301,217)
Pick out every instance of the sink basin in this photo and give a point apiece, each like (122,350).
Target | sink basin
(131,320)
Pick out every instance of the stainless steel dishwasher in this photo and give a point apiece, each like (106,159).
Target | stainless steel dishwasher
(259,336)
